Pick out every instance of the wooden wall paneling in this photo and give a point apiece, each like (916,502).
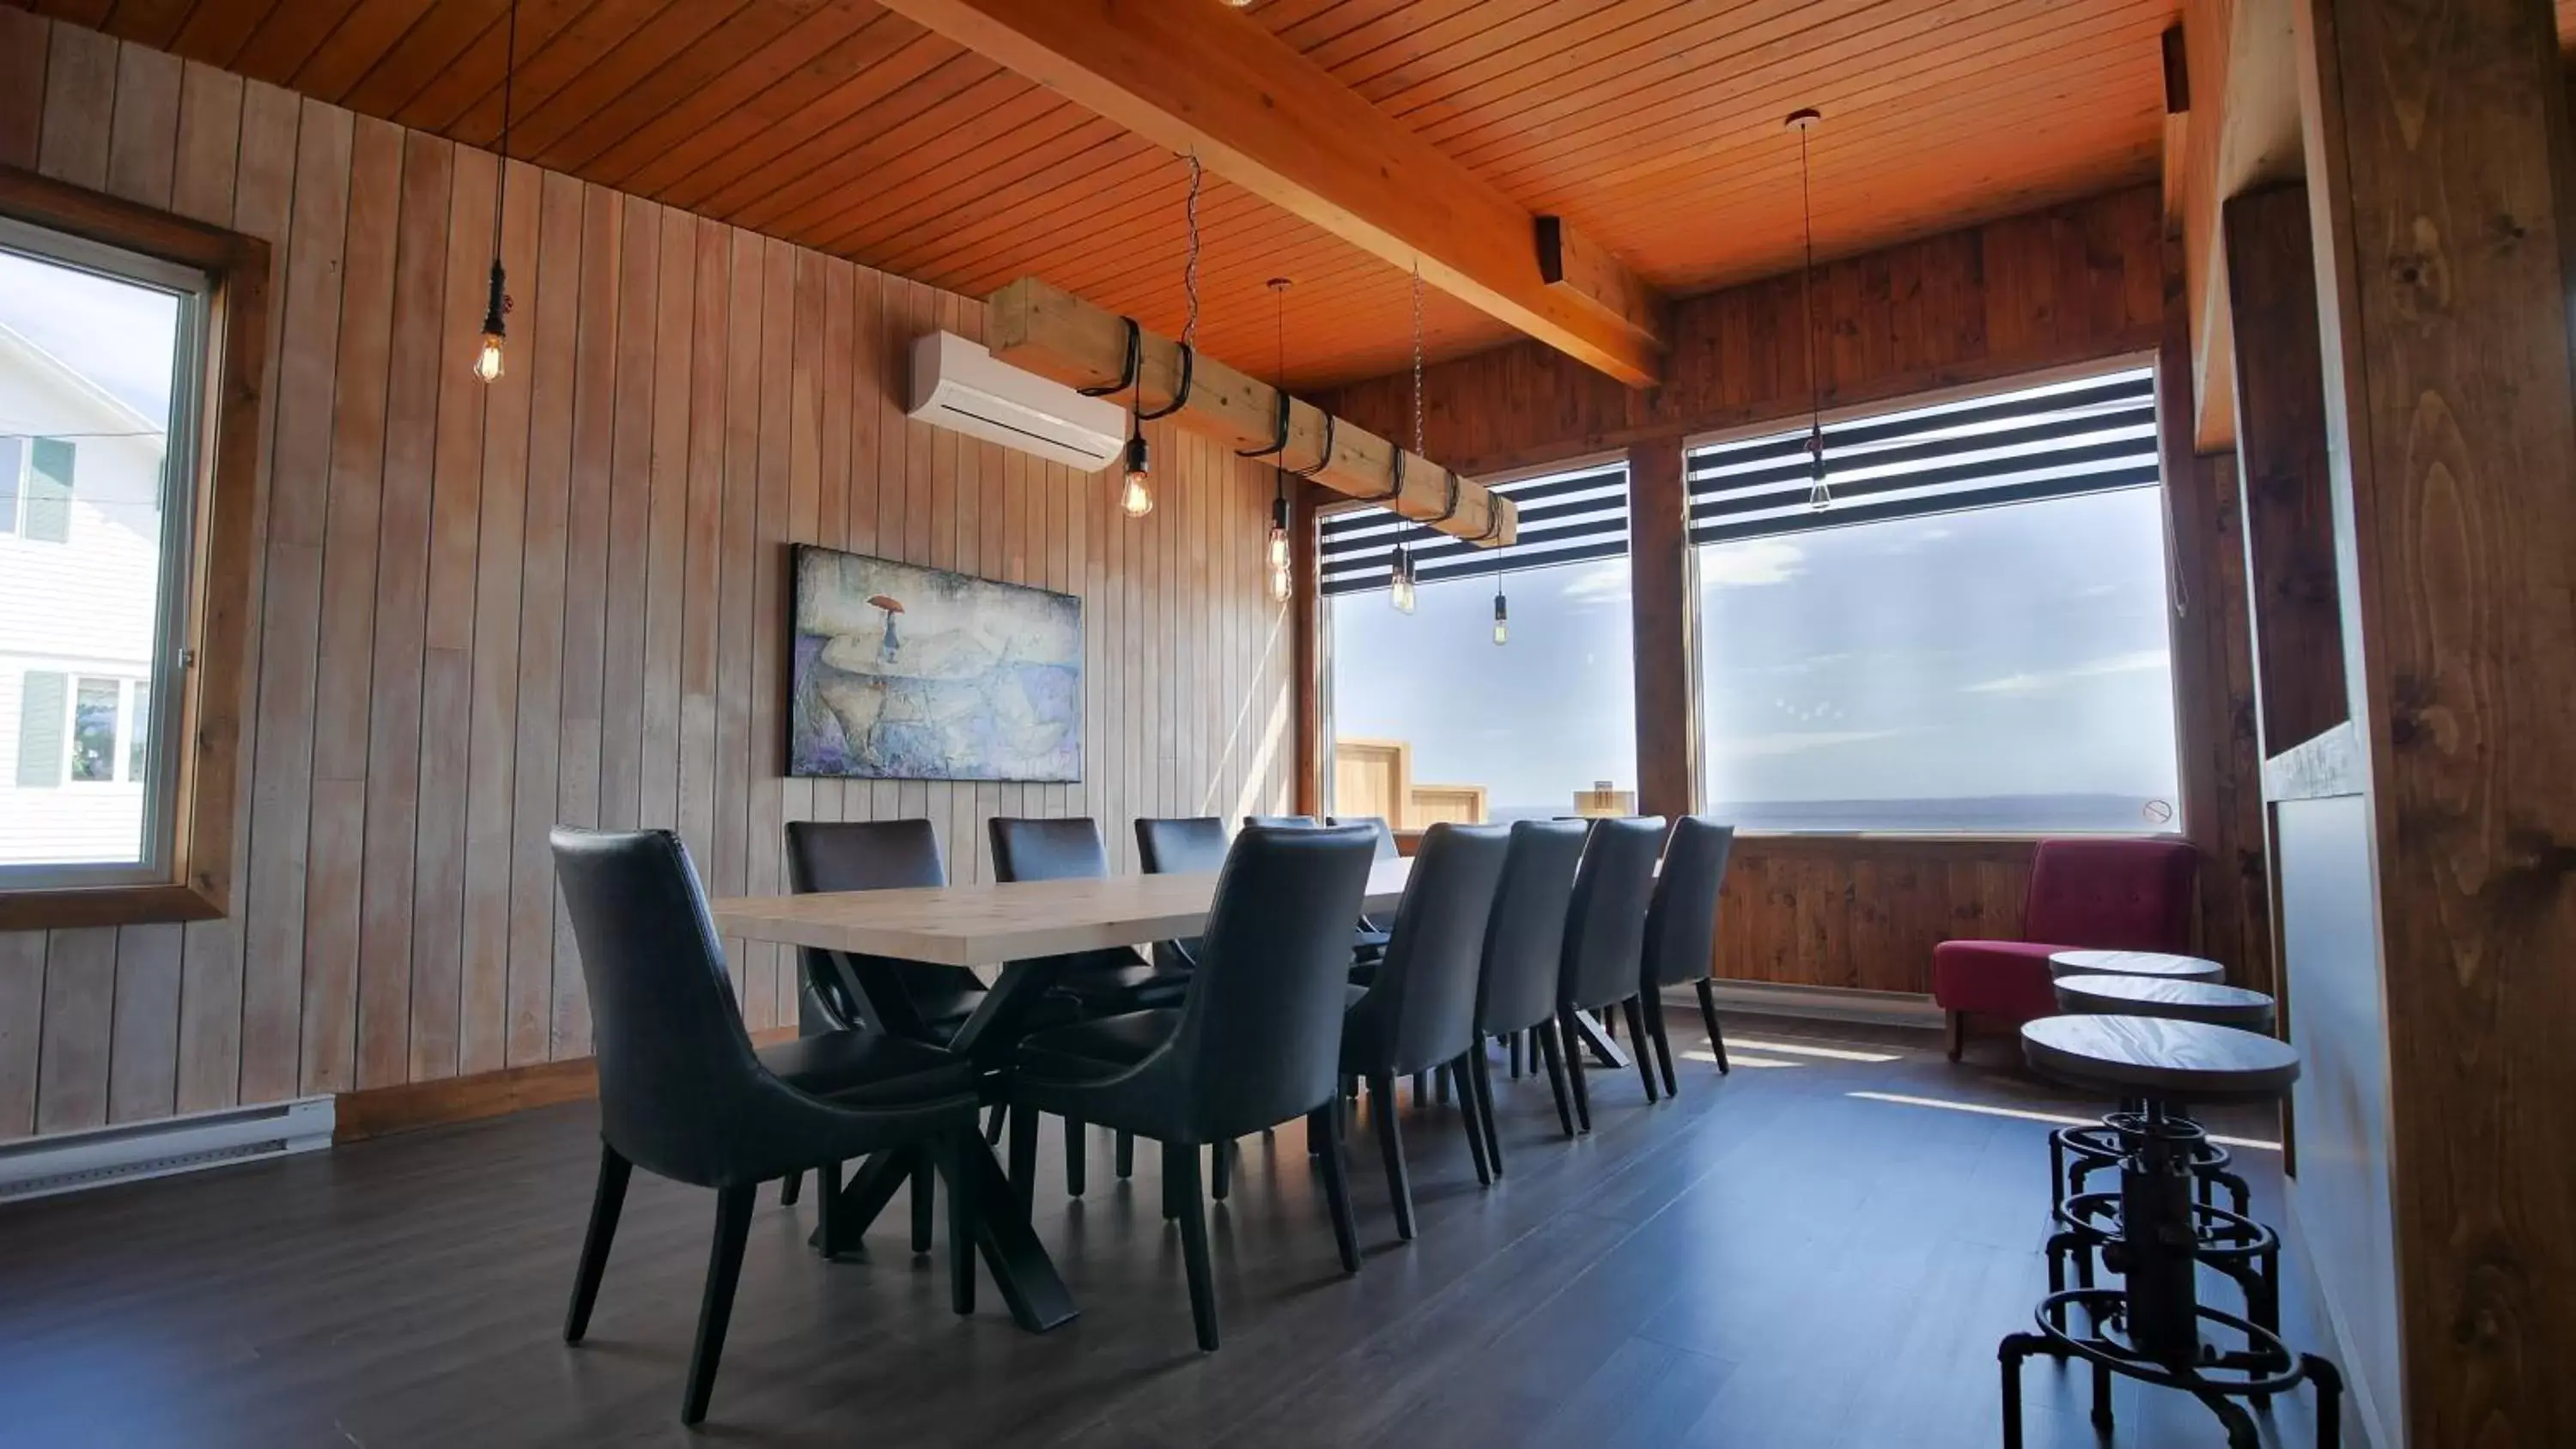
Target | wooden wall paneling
(506,574)
(25,43)
(285,775)
(238,148)
(519,874)
(443,731)
(386,759)
(499,606)
(378,481)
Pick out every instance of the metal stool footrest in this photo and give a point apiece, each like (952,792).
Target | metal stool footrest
(2264,1366)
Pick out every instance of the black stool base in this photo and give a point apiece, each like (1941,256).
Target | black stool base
(2264,1367)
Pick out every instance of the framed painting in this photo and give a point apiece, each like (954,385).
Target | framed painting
(907,673)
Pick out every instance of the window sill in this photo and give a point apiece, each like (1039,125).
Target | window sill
(125,905)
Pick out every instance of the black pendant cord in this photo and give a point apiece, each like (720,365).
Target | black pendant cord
(1323,459)
(509,79)
(1803,121)
(1180,394)
(1130,370)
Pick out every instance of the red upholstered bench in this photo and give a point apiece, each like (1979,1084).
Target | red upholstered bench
(2115,895)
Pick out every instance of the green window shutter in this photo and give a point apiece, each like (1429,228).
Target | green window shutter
(49,491)
(40,729)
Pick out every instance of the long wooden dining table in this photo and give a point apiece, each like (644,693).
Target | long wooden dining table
(1014,936)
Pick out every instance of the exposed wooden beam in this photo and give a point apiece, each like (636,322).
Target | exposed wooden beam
(1199,78)
(1569,263)
(2243,133)
(1055,334)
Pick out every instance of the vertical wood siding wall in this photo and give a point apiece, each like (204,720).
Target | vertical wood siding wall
(563,598)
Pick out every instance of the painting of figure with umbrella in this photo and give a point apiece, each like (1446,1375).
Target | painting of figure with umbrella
(908,673)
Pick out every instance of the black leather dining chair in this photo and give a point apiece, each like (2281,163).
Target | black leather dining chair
(1420,1010)
(683,1094)
(1681,933)
(1184,846)
(1523,956)
(1255,1043)
(1283,822)
(1605,937)
(1102,983)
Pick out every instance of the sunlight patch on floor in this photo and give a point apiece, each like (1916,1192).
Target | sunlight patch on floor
(2053,1118)
(1801,1049)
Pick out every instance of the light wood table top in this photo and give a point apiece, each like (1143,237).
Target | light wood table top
(2149,1057)
(2135,963)
(985,925)
(2166,997)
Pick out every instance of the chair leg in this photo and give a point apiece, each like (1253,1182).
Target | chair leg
(1708,1014)
(788,1190)
(1553,1057)
(993,1119)
(1077,1157)
(1662,1039)
(1024,1157)
(1421,1091)
(1955,1025)
(925,1173)
(1641,1048)
(1220,1169)
(1390,1147)
(1126,1155)
(724,1271)
(1480,1080)
(1512,1043)
(827,1208)
(1320,1128)
(605,1204)
(1458,1070)
(1181,1169)
(961,1221)
(1572,1037)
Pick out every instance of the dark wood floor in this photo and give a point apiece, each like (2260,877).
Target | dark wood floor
(1773,1261)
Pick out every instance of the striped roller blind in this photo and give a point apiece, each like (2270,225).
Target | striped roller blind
(1565,518)
(2088,436)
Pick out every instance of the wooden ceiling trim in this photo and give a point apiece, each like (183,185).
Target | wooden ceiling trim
(899,118)
(1755,126)
(449,96)
(546,68)
(217,29)
(711,63)
(287,36)
(366,35)
(538,130)
(407,67)
(923,205)
(704,162)
(1923,50)
(765,90)
(1205,79)
(989,113)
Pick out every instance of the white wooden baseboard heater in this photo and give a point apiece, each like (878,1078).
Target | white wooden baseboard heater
(42,1167)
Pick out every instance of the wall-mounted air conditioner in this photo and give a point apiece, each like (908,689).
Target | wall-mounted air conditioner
(957,385)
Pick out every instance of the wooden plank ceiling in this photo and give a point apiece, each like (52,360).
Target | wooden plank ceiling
(1652,125)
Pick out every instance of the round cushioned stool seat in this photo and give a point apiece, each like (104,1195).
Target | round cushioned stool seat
(2159,996)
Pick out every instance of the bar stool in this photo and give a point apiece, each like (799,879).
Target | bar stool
(2151,1327)
(2161,964)
(2076,1153)
(2089,1222)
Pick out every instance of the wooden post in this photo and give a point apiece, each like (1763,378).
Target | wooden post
(1663,616)
(2438,151)
(1305,661)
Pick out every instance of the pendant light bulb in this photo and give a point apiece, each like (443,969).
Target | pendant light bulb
(1279,535)
(1136,497)
(487,356)
(1819,497)
(1502,619)
(1399,585)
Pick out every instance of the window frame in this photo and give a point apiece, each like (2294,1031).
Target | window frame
(2179,829)
(198,681)
(1319,606)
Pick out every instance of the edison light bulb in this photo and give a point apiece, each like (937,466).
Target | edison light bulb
(1280,587)
(1502,621)
(487,358)
(1137,495)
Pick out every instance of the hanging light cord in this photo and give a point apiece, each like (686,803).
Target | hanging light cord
(1190,272)
(509,75)
(1279,371)
(1417,358)
(1807,303)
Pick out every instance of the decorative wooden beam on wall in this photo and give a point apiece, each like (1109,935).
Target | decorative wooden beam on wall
(1056,334)
(2243,133)
(1199,78)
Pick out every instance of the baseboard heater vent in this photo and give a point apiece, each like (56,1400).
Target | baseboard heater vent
(104,1155)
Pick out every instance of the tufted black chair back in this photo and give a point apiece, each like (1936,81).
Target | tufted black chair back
(1525,936)
(868,855)
(1681,925)
(1605,927)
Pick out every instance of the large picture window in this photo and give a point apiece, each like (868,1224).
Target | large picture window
(1970,634)
(1427,719)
